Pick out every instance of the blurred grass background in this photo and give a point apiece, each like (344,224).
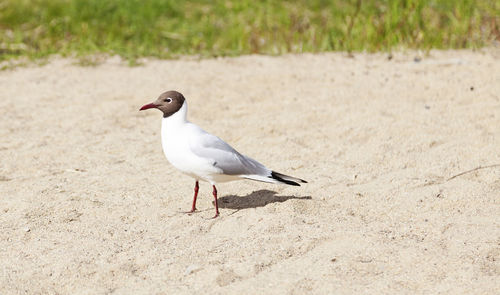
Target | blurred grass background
(169,28)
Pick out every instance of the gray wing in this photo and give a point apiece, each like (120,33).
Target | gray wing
(230,161)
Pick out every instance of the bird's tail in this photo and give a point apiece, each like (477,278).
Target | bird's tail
(286,179)
(276,177)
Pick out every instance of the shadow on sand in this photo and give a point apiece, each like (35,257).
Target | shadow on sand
(256,199)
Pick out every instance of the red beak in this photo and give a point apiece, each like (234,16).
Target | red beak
(148,106)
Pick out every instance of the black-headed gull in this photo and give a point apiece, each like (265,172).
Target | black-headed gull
(202,155)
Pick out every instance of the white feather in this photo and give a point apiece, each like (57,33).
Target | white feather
(205,156)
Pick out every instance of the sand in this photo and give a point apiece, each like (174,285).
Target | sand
(89,204)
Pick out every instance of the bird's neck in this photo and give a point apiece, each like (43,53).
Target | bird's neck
(176,120)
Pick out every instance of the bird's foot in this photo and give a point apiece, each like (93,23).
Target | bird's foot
(211,218)
(190,211)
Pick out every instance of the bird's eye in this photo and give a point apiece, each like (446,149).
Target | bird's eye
(169,100)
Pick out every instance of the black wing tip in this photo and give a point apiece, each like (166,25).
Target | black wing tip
(278,177)
(289,182)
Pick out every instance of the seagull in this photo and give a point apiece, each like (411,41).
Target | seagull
(202,155)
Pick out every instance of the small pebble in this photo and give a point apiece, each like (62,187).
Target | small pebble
(27,229)
(191,269)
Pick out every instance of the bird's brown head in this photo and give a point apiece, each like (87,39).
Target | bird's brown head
(168,102)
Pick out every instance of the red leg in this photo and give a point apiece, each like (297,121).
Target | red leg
(216,205)
(196,187)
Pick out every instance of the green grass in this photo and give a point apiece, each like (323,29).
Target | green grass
(169,28)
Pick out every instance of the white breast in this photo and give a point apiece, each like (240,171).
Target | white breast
(176,133)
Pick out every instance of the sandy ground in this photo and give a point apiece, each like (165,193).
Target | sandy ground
(89,204)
